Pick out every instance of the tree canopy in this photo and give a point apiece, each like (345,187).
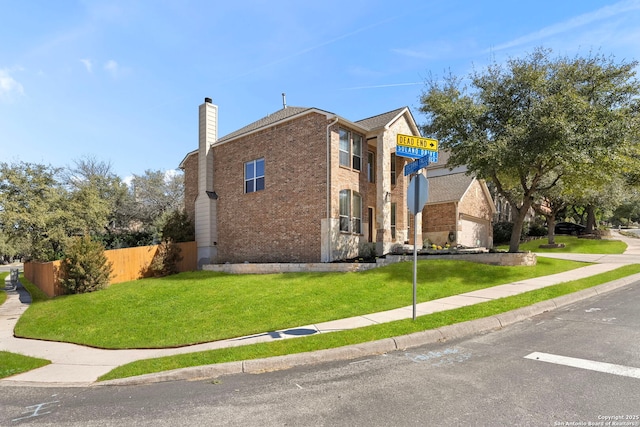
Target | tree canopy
(537,120)
(42,207)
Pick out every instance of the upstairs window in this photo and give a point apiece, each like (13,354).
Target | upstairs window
(345,152)
(357,152)
(350,150)
(393,169)
(371,167)
(254,176)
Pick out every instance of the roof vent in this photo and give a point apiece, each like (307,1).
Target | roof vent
(284,100)
(208,100)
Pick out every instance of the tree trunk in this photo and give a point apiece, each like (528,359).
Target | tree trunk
(591,218)
(551,233)
(518,223)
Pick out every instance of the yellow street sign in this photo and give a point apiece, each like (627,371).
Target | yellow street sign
(417,142)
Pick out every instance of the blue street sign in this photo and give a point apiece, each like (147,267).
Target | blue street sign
(414,167)
(416,153)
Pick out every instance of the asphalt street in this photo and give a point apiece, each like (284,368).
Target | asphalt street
(577,365)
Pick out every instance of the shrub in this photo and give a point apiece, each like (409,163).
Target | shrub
(502,232)
(85,267)
(178,228)
(537,230)
(368,251)
(166,260)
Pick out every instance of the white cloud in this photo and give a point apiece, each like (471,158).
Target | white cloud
(384,85)
(112,67)
(573,23)
(9,86)
(88,64)
(412,53)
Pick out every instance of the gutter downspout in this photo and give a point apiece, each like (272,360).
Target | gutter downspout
(329,187)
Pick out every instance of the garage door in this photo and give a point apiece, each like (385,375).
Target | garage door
(474,233)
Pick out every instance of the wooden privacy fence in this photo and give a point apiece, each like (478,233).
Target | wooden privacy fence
(127,264)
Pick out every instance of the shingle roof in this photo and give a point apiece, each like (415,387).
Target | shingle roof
(282,114)
(369,123)
(380,120)
(448,188)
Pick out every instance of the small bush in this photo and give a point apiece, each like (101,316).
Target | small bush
(166,260)
(178,228)
(368,251)
(537,230)
(85,267)
(502,232)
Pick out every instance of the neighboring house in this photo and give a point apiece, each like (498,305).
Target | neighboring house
(299,185)
(459,209)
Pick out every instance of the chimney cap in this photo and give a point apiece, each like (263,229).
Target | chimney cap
(208,100)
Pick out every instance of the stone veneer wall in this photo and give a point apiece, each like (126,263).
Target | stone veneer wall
(492,258)
(505,259)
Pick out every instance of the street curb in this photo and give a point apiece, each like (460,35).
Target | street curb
(372,348)
(417,339)
(349,352)
(524,313)
(194,373)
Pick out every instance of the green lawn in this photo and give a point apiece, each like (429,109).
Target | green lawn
(12,364)
(370,333)
(203,306)
(3,294)
(576,245)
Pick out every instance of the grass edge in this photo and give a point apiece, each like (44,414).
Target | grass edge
(366,334)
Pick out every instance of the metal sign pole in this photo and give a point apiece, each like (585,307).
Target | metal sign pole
(415,261)
(416,209)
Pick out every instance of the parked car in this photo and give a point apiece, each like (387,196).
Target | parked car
(570,228)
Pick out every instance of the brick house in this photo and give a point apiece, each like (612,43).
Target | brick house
(460,208)
(299,185)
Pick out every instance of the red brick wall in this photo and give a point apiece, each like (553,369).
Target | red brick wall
(437,218)
(282,222)
(191,186)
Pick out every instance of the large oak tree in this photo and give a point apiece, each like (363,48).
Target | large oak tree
(526,124)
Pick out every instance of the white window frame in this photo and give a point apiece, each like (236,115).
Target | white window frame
(394,218)
(254,179)
(350,212)
(371,167)
(350,149)
(345,210)
(356,213)
(345,147)
(394,160)
(356,149)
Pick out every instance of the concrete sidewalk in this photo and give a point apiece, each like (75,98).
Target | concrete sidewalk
(75,365)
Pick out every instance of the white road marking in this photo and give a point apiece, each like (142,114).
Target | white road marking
(608,368)
(34,411)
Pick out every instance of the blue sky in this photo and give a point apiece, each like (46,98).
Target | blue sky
(121,80)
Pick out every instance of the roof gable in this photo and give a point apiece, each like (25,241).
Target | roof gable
(448,188)
(282,114)
(381,120)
